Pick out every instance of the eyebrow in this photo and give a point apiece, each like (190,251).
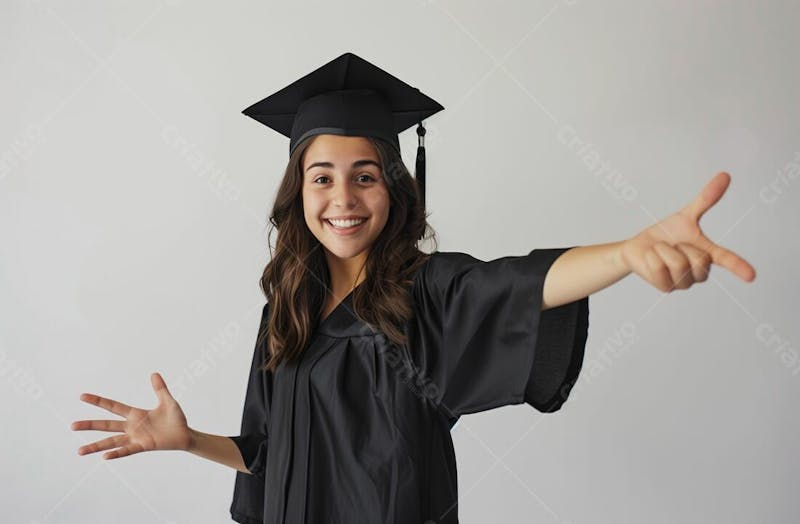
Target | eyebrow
(357,163)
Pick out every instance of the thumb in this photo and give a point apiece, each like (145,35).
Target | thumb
(160,387)
(709,195)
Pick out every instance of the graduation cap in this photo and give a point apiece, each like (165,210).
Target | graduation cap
(351,97)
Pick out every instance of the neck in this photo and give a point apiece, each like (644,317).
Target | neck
(346,273)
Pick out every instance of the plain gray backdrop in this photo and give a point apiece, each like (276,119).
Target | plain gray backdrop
(133,205)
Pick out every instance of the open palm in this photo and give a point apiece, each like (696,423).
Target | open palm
(674,253)
(161,428)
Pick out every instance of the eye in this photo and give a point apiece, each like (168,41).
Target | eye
(367,174)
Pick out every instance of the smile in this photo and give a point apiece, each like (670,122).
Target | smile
(346,227)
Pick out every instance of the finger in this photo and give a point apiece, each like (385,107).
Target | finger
(727,259)
(700,260)
(106,443)
(98,425)
(123,452)
(118,408)
(160,387)
(708,196)
(733,263)
(658,271)
(680,269)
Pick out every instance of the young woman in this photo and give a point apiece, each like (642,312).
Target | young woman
(369,350)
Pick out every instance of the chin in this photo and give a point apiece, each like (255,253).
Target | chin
(344,252)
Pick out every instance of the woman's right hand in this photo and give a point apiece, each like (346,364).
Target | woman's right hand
(161,428)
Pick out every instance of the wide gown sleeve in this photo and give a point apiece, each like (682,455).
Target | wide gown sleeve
(484,340)
(248,495)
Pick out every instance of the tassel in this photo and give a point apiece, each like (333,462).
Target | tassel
(420,169)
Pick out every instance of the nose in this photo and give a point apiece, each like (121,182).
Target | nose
(344,196)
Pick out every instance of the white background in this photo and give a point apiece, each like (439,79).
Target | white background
(123,252)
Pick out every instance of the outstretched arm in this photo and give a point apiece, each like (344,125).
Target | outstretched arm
(671,254)
(581,271)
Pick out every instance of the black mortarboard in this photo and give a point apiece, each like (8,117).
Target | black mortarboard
(352,97)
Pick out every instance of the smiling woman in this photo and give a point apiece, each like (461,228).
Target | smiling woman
(369,349)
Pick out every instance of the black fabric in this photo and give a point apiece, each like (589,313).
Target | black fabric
(249,489)
(346,96)
(359,430)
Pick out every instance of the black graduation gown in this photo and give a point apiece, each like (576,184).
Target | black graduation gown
(359,430)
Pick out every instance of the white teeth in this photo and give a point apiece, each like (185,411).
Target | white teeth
(344,224)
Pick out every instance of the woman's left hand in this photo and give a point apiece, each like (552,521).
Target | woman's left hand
(674,253)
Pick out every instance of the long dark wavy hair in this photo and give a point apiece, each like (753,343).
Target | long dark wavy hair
(296,279)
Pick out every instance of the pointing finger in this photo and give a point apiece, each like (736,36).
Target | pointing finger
(733,263)
(726,258)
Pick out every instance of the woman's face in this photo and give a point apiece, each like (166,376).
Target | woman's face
(342,177)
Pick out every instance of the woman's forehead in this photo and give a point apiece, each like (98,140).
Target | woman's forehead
(340,146)
(340,151)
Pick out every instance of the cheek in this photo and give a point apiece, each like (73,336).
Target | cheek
(379,201)
(310,206)
(385,203)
